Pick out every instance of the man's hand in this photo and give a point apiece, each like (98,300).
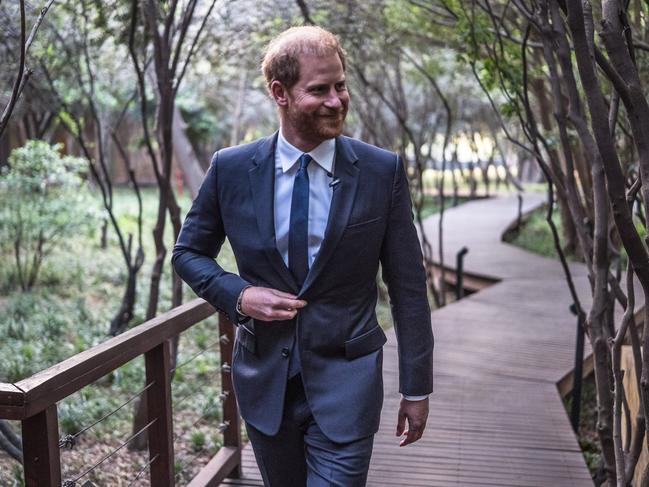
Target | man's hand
(416,412)
(265,304)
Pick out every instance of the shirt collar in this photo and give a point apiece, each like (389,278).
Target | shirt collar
(288,154)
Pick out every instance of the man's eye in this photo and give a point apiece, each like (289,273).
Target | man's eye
(341,86)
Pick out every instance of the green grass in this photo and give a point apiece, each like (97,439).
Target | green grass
(536,235)
(431,204)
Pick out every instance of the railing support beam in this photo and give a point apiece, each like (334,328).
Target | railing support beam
(232,433)
(459,273)
(42,464)
(161,449)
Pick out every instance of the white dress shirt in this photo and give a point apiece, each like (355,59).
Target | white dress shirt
(320,172)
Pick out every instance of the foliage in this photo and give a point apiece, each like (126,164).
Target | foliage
(198,441)
(43,200)
(431,204)
(38,330)
(69,312)
(535,235)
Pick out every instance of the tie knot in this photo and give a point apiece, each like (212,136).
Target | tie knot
(305,159)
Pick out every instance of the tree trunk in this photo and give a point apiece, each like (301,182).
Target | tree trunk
(185,156)
(10,442)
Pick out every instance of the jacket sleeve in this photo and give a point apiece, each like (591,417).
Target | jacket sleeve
(403,272)
(198,245)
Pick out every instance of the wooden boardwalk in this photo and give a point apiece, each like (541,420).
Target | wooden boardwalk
(496,415)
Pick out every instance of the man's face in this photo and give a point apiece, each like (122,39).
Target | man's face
(316,105)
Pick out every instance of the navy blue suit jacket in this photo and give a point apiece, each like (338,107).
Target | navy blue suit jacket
(339,339)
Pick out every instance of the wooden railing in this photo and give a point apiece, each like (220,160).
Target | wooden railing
(33,401)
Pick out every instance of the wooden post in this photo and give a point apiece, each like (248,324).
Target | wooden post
(41,449)
(158,364)
(232,432)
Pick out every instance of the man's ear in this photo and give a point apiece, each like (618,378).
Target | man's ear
(279,93)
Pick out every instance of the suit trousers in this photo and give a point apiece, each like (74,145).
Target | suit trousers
(300,455)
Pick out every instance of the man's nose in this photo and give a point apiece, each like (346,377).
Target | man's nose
(333,99)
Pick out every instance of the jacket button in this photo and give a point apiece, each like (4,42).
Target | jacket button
(285,352)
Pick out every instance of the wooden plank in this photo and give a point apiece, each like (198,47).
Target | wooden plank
(61,380)
(160,433)
(42,463)
(219,467)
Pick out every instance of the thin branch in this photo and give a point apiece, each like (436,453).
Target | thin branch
(19,77)
(304,9)
(37,24)
(192,50)
(23,74)
(142,89)
(185,22)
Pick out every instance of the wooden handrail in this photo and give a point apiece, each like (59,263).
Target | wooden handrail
(34,400)
(11,398)
(34,394)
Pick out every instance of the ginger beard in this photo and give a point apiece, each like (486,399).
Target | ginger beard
(319,125)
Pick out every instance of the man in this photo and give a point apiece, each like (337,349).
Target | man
(309,214)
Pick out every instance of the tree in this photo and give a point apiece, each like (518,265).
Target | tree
(167,30)
(86,95)
(526,54)
(42,201)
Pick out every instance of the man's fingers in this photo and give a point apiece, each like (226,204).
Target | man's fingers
(286,300)
(411,436)
(401,423)
(266,304)
(282,294)
(405,441)
(416,413)
(277,314)
(282,315)
(414,433)
(289,304)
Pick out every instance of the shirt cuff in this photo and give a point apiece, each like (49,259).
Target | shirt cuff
(414,398)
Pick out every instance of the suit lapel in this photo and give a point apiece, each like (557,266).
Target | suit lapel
(342,202)
(262,186)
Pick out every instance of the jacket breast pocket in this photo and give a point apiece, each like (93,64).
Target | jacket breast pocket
(362,224)
(368,342)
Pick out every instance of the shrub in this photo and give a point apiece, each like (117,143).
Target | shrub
(43,201)
(198,440)
(39,329)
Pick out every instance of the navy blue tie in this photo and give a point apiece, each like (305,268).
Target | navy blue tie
(298,233)
(298,243)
